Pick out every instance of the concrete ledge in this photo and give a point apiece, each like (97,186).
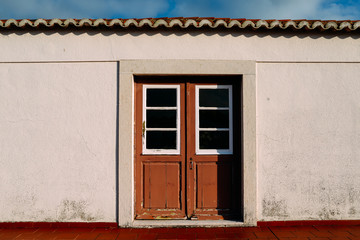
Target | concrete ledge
(187,223)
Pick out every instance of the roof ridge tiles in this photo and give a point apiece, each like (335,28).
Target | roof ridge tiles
(197,22)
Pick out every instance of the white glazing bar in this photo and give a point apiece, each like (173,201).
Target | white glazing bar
(214,108)
(161,108)
(160,129)
(214,129)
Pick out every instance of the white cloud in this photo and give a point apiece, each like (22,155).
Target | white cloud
(81,8)
(261,9)
(268,9)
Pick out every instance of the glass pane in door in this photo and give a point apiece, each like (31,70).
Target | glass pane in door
(214,119)
(161,122)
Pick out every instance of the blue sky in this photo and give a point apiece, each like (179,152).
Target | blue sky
(254,9)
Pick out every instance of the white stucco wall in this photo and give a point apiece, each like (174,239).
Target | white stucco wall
(308,141)
(57,142)
(105,46)
(58,119)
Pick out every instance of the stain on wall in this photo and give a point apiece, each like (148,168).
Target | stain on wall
(273,208)
(328,213)
(352,211)
(74,210)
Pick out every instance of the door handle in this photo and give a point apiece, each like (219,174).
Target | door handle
(191,164)
(143,129)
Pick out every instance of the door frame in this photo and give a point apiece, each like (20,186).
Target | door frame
(187,150)
(127,69)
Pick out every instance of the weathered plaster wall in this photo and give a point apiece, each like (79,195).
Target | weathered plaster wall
(58,119)
(57,142)
(308,141)
(105,46)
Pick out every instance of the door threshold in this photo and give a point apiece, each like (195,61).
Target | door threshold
(188,223)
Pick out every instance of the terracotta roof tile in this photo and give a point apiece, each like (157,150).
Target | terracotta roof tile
(197,22)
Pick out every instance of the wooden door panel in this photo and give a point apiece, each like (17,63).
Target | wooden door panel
(159,177)
(161,185)
(173,186)
(225,176)
(206,185)
(213,185)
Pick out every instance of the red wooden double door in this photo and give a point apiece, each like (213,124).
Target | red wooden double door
(187,148)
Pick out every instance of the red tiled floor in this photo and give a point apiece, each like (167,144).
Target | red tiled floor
(264,234)
(160,230)
(355,232)
(176,230)
(225,235)
(167,236)
(127,236)
(205,236)
(214,230)
(284,234)
(300,238)
(142,230)
(303,234)
(250,233)
(186,236)
(322,234)
(338,238)
(275,229)
(107,236)
(195,230)
(233,229)
(10,234)
(87,236)
(147,236)
(338,233)
(246,235)
(71,235)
